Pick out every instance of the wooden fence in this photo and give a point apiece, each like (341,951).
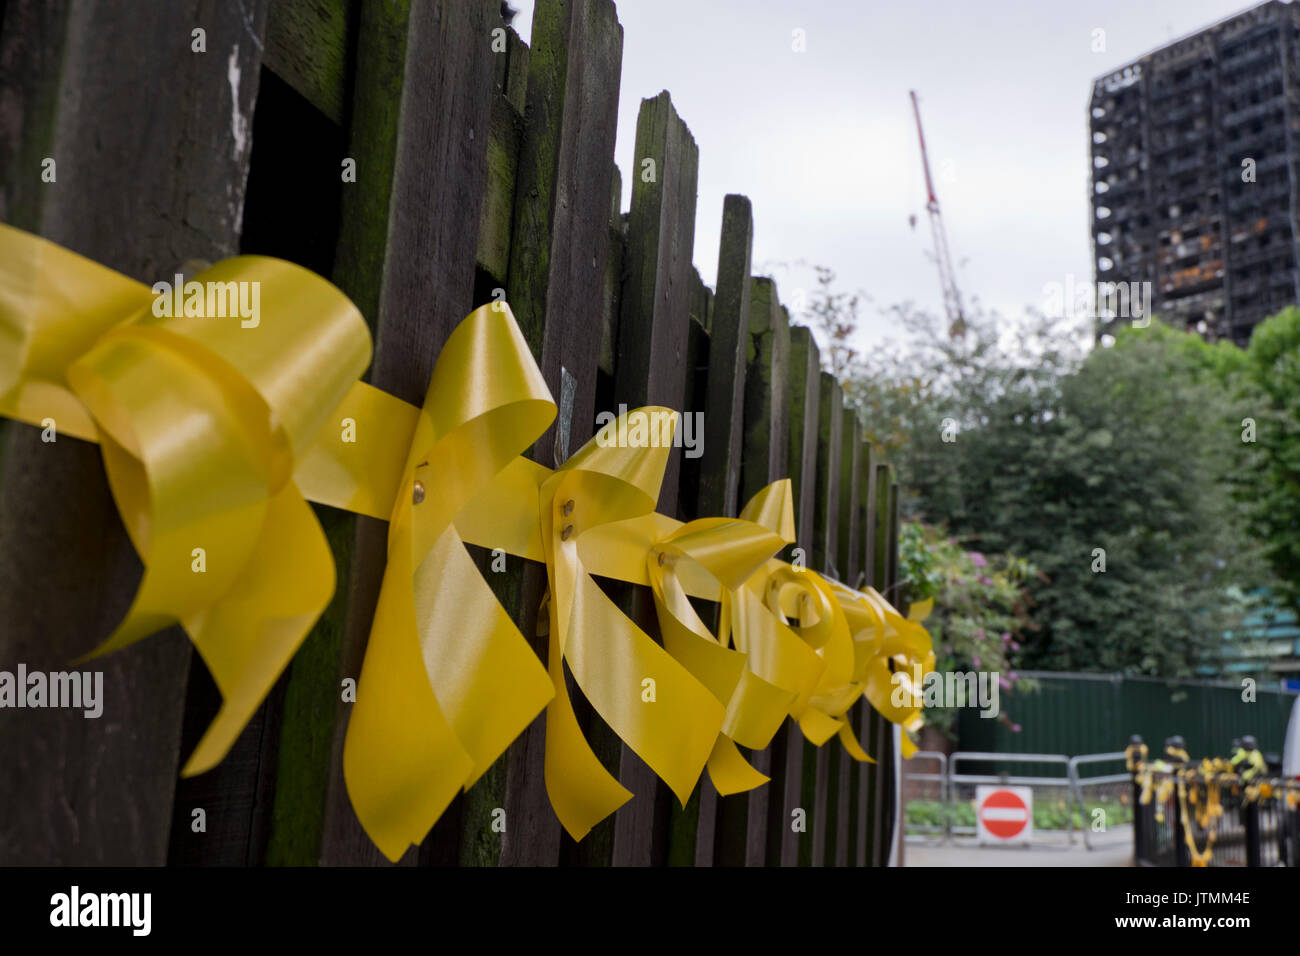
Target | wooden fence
(481,164)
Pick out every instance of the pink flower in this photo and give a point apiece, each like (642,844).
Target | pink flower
(1006,636)
(1012,676)
(977,559)
(1005,684)
(986,581)
(1015,728)
(975,662)
(1015,646)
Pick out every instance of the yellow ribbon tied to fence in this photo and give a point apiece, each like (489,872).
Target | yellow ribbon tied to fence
(199,422)
(215,433)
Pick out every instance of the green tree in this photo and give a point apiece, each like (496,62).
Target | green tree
(1118,458)
(1267,380)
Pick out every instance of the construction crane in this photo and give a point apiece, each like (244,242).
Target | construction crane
(947,277)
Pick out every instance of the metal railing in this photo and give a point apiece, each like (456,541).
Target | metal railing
(1074,784)
(1122,779)
(956,779)
(1251,827)
(919,832)
(1254,826)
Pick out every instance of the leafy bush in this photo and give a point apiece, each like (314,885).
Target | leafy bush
(980,608)
(1111,470)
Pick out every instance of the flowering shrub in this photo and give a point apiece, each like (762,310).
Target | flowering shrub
(981,609)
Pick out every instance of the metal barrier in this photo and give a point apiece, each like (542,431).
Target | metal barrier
(1123,779)
(913,833)
(956,779)
(1160,834)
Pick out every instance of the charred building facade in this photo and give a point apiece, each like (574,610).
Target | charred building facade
(1195,161)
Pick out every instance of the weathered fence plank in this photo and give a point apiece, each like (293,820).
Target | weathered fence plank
(862,775)
(505,132)
(894,834)
(826,523)
(559,249)
(310,752)
(826,527)
(596,849)
(408,238)
(881,743)
(650,369)
(308,45)
(719,465)
(743,822)
(851,488)
(728,337)
(845,774)
(867,722)
(841,766)
(77,74)
(788,749)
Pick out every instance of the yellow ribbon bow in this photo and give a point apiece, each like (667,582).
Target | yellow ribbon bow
(200,421)
(905,643)
(215,433)
(448,681)
(664,713)
(445,660)
(729,552)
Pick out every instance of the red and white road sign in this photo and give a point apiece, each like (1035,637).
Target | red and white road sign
(1004,814)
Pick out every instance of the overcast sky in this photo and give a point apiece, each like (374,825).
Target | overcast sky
(824,142)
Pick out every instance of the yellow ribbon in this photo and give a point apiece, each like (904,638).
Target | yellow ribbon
(448,681)
(1197,857)
(729,551)
(199,421)
(214,433)
(1134,756)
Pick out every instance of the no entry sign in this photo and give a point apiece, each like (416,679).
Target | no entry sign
(1004,814)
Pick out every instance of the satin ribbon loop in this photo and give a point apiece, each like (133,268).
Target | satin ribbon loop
(730,551)
(448,681)
(906,644)
(199,417)
(216,429)
(663,713)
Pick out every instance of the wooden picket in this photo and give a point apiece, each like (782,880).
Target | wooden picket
(483,168)
(143,212)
